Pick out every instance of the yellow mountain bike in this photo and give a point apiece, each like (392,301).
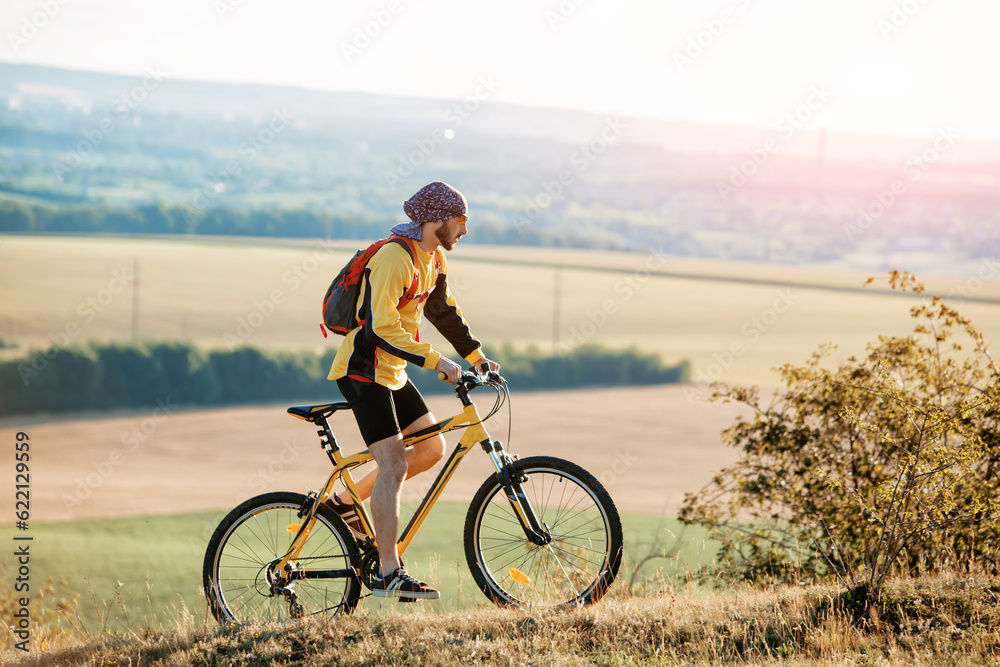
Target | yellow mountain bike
(540,532)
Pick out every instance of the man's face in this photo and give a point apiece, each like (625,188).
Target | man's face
(449,231)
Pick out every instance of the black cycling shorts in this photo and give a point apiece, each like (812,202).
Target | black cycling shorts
(382,412)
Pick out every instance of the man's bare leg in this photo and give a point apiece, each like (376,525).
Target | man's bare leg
(391,458)
(387,482)
(419,458)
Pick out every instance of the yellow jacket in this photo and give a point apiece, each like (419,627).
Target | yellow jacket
(388,335)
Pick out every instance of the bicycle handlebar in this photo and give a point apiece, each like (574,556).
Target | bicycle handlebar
(475,377)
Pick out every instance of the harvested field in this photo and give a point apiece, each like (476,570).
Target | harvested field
(648,445)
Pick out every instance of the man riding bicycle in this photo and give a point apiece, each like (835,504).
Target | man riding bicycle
(370,367)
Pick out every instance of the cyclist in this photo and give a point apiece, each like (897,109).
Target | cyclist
(370,368)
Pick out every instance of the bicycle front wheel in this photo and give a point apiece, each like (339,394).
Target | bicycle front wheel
(577,565)
(241,580)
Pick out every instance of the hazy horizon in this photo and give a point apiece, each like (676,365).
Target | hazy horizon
(703,136)
(902,68)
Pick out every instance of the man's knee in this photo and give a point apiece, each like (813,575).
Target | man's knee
(427,452)
(390,455)
(433,450)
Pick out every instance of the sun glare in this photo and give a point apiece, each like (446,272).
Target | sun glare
(906,68)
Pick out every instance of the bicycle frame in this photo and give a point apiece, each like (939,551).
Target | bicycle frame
(475,433)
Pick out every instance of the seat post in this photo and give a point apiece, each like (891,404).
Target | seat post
(326,436)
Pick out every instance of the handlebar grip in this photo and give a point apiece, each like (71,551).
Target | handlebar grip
(442,376)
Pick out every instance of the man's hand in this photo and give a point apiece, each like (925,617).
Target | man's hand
(485,364)
(452,371)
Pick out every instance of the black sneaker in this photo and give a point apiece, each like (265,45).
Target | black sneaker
(401,585)
(346,512)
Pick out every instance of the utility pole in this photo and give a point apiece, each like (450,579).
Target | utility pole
(135,299)
(556,299)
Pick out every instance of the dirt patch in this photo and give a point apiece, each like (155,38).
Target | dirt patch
(649,446)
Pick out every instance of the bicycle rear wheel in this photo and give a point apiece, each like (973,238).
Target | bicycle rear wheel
(239,574)
(582,558)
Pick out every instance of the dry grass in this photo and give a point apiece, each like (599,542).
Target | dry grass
(947,620)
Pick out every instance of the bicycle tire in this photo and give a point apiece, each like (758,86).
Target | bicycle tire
(258,532)
(575,568)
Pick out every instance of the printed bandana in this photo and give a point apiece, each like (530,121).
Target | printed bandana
(435,202)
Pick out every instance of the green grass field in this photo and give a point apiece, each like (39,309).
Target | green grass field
(144,572)
(734,321)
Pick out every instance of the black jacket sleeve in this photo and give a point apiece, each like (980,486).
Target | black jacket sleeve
(443,312)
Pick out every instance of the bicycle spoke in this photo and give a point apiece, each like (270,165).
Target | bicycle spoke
(257,539)
(584,536)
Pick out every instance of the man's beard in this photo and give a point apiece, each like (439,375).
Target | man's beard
(446,242)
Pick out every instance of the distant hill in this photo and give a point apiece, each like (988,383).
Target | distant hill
(93,91)
(238,159)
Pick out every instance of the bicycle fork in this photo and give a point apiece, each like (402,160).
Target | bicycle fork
(511,481)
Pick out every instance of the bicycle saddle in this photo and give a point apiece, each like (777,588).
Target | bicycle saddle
(313,412)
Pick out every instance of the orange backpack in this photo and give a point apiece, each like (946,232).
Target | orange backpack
(340,306)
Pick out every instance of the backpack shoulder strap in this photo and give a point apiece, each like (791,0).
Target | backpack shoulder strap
(438,262)
(407,245)
(438,266)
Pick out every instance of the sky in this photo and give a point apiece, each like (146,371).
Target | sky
(909,67)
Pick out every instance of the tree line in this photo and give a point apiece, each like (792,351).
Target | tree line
(159,218)
(143,375)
